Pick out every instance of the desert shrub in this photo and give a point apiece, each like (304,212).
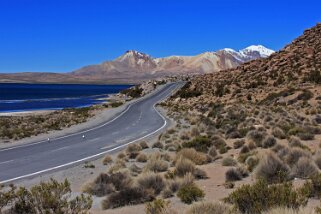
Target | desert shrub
(133,92)
(295,142)
(190,193)
(118,165)
(212,152)
(256,136)
(107,160)
(261,197)
(104,184)
(187,179)
(127,196)
(50,197)
(158,206)
(121,155)
(218,141)
(295,154)
(305,136)
(229,161)
(143,145)
(272,169)
(268,142)
(151,181)
(173,184)
(278,133)
(191,154)
(223,149)
(210,208)
(167,193)
(305,95)
(142,157)
(156,164)
(304,168)
(166,156)
(244,149)
(133,150)
(200,174)
(233,175)
(251,162)
(238,144)
(184,166)
(158,145)
(313,187)
(135,170)
(201,144)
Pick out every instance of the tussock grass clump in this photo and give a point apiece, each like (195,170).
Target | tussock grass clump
(142,157)
(268,142)
(245,149)
(200,174)
(133,150)
(272,169)
(118,165)
(229,161)
(127,196)
(144,145)
(304,168)
(190,193)
(151,181)
(201,144)
(261,197)
(210,208)
(107,160)
(158,206)
(278,133)
(295,154)
(251,162)
(156,164)
(191,154)
(233,175)
(184,166)
(212,152)
(256,137)
(105,184)
(135,170)
(238,144)
(158,145)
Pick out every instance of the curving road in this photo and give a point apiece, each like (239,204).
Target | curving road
(137,121)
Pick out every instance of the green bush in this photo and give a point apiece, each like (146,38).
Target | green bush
(201,144)
(158,206)
(50,197)
(260,197)
(190,193)
(133,92)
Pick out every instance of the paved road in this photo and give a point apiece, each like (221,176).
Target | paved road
(139,120)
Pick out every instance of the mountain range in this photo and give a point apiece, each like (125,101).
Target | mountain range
(134,66)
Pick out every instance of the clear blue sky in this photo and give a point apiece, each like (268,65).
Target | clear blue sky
(63,35)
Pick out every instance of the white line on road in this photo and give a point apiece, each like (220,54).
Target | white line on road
(6,162)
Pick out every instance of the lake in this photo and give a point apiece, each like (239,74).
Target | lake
(28,97)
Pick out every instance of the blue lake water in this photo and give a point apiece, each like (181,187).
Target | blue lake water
(28,97)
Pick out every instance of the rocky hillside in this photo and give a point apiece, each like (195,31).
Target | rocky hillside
(295,67)
(133,67)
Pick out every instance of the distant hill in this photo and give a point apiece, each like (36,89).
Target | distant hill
(134,66)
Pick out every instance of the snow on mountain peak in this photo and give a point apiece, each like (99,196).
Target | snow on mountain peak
(263,51)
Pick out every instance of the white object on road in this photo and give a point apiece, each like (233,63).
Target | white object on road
(83,136)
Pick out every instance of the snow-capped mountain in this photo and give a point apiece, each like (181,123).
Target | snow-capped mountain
(134,66)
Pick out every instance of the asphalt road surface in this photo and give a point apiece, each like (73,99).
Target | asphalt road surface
(137,121)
